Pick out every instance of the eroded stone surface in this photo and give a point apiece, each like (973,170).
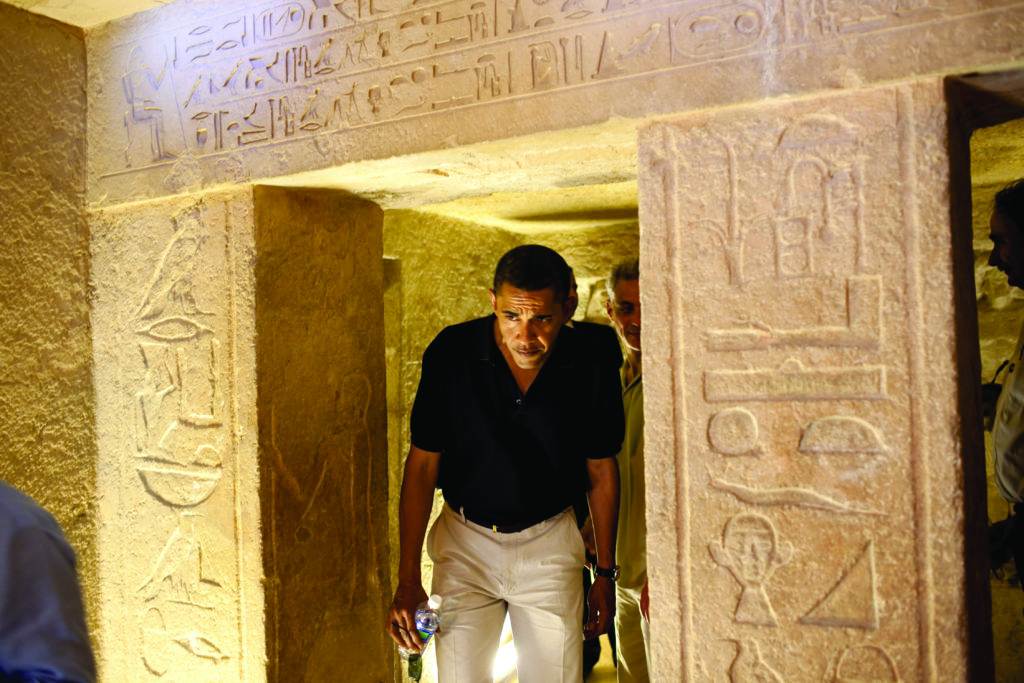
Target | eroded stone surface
(838,559)
(175,387)
(324,464)
(46,385)
(183,96)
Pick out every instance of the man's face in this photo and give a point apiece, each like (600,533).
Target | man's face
(624,310)
(529,323)
(1007,249)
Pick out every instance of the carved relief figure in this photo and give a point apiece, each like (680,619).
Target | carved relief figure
(852,602)
(734,431)
(863,328)
(821,18)
(823,184)
(751,551)
(178,410)
(749,666)
(182,572)
(793,381)
(863,663)
(331,500)
(142,84)
(841,434)
(181,439)
(716,29)
(788,496)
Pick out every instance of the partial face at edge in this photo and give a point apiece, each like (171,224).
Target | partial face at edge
(529,323)
(624,311)
(1007,249)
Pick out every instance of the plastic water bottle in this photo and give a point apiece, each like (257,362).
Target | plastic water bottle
(428,619)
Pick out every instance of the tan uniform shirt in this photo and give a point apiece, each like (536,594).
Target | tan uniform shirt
(1008,430)
(631,540)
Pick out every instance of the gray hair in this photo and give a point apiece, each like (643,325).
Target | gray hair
(624,270)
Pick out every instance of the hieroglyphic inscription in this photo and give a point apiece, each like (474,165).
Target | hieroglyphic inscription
(862,328)
(183,593)
(751,550)
(734,431)
(863,663)
(840,434)
(790,496)
(285,70)
(749,665)
(792,381)
(853,601)
(789,303)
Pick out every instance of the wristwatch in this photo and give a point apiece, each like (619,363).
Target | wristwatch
(607,572)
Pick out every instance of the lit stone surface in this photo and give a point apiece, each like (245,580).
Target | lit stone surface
(86,12)
(324,467)
(179,544)
(46,381)
(806,534)
(854,487)
(182,96)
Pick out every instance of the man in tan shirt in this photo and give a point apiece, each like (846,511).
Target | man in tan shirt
(631,596)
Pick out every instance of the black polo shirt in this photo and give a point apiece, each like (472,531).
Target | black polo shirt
(509,458)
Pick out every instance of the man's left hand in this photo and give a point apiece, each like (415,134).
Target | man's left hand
(601,607)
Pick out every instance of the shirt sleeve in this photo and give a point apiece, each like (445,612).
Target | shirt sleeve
(428,424)
(608,423)
(1009,470)
(43,636)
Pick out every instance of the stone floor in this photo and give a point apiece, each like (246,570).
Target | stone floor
(604,672)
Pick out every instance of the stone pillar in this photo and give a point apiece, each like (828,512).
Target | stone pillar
(175,375)
(323,434)
(804,475)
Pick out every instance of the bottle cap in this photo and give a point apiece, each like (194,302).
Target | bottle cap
(435,601)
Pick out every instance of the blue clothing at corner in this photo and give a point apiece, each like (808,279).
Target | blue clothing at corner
(43,637)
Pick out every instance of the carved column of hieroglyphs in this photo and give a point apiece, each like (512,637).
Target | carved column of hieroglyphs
(166,328)
(794,336)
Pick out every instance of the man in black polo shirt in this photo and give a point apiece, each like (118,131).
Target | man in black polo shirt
(515,415)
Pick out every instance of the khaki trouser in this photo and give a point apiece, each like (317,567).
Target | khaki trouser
(533,575)
(632,637)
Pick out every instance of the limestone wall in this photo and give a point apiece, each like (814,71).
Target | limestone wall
(46,388)
(206,96)
(323,464)
(175,371)
(802,430)
(199,92)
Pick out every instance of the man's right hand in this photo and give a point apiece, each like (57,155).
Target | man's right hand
(401,624)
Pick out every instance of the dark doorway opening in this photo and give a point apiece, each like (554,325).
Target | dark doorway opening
(976,101)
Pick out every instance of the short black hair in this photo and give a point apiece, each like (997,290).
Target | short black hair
(1009,203)
(534,267)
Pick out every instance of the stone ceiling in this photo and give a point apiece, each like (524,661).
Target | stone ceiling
(85,13)
(564,180)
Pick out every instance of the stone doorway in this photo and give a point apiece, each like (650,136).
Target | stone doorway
(440,221)
(986,133)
